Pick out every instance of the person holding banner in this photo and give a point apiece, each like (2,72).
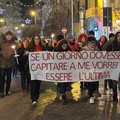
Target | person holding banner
(71,40)
(115,46)
(109,81)
(7,62)
(97,47)
(91,86)
(36,45)
(63,46)
(81,42)
(58,38)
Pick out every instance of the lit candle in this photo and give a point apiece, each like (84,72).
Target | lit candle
(16,55)
(13,47)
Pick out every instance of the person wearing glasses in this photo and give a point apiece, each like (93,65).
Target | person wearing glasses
(91,86)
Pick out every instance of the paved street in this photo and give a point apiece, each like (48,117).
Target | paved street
(17,107)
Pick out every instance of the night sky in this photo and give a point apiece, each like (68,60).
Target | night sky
(26,9)
(27,2)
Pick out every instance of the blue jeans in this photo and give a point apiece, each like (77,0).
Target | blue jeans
(5,72)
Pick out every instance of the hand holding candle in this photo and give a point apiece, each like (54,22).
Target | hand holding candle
(16,55)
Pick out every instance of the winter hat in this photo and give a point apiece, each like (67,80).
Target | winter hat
(59,37)
(9,33)
(69,36)
(91,39)
(91,32)
(111,35)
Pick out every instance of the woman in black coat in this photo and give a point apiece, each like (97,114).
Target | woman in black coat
(23,66)
(36,45)
(63,46)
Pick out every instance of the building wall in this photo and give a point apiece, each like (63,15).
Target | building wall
(94,16)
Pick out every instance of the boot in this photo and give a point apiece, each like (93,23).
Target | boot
(64,99)
(1,95)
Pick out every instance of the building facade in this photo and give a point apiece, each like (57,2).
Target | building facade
(102,16)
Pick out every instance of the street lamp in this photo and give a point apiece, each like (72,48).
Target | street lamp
(16,28)
(23,25)
(1,20)
(34,14)
(72,17)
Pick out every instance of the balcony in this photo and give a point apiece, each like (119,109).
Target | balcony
(94,12)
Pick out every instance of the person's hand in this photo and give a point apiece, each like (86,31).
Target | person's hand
(16,56)
(26,53)
(80,44)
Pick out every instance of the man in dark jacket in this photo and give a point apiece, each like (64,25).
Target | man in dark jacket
(7,62)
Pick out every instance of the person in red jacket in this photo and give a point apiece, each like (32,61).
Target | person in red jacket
(71,42)
(81,42)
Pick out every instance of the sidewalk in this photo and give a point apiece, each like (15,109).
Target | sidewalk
(16,107)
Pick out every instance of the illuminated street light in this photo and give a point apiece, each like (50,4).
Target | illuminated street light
(1,20)
(16,28)
(23,25)
(34,14)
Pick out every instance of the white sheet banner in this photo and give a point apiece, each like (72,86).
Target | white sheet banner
(74,66)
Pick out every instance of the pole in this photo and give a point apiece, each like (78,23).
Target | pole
(72,17)
(35,20)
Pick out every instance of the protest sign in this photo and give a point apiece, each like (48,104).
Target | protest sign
(74,66)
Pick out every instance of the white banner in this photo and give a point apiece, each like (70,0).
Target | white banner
(74,66)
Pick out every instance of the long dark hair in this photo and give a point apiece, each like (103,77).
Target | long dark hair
(116,35)
(115,46)
(32,43)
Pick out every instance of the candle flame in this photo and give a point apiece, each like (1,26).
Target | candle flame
(13,46)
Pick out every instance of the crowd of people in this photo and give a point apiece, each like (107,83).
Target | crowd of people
(85,42)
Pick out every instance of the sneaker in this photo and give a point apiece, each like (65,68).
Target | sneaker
(92,100)
(111,92)
(34,103)
(8,93)
(97,93)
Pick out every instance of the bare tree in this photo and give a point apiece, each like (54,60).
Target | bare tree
(60,17)
(30,31)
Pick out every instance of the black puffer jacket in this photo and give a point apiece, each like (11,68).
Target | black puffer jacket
(113,47)
(59,46)
(23,59)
